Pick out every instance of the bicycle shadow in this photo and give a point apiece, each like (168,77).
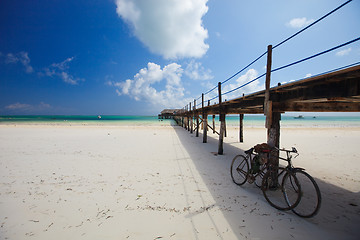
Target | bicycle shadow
(246,209)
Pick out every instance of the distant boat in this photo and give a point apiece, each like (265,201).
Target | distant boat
(99,117)
(299,117)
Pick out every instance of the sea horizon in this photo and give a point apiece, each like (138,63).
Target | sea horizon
(231,120)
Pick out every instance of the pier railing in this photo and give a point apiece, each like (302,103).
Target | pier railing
(211,97)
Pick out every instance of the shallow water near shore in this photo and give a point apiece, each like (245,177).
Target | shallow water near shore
(232,120)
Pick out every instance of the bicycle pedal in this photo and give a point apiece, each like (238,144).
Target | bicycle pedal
(251,179)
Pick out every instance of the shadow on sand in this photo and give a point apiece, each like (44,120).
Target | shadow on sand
(246,210)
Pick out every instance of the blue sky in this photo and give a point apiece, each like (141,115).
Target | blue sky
(137,57)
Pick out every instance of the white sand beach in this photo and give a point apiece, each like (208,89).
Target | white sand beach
(161,182)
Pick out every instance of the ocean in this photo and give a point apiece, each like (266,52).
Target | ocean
(231,120)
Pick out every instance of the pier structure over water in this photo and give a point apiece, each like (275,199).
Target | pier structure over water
(337,90)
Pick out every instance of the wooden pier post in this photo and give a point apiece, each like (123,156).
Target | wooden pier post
(213,123)
(222,124)
(191,119)
(241,137)
(272,118)
(267,102)
(205,121)
(187,119)
(197,120)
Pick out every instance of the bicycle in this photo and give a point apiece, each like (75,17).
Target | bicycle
(287,196)
(310,202)
(282,194)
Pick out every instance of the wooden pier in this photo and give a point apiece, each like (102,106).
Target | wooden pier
(337,91)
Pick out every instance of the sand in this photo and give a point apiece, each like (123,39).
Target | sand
(161,182)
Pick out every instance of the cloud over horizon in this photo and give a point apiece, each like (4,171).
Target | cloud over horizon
(173,29)
(28,108)
(145,85)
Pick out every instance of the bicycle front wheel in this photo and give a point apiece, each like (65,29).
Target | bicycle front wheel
(239,169)
(282,194)
(310,195)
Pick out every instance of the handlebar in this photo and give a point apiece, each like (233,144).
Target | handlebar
(293,150)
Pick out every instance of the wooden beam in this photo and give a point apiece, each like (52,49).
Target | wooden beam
(331,106)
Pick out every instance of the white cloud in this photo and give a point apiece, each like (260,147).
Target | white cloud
(343,52)
(146,85)
(21,57)
(61,70)
(195,70)
(255,86)
(28,108)
(173,29)
(299,22)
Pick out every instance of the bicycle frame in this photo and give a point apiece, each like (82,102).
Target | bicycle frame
(250,157)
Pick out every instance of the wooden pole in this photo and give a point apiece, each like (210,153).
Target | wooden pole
(205,121)
(205,129)
(191,119)
(241,128)
(273,135)
(272,119)
(221,135)
(187,119)
(197,120)
(213,123)
(267,102)
(222,124)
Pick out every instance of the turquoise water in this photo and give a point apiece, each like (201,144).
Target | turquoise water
(233,120)
(83,119)
(306,121)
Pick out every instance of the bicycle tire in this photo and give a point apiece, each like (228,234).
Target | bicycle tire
(310,202)
(259,177)
(239,169)
(284,196)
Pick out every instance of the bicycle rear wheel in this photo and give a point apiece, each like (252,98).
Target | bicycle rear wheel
(284,196)
(239,169)
(310,195)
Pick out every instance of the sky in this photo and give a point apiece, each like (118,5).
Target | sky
(138,57)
